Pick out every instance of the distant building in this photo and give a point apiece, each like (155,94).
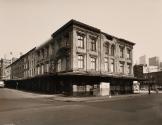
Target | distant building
(143,60)
(160,65)
(4,71)
(8,73)
(3,64)
(154,61)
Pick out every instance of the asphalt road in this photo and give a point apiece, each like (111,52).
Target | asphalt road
(17,109)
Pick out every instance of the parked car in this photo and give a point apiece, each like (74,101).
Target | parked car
(1,84)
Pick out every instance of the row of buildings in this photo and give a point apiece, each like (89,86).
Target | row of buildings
(77,60)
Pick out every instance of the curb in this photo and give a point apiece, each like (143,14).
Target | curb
(97,99)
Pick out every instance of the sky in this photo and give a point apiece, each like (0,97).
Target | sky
(25,24)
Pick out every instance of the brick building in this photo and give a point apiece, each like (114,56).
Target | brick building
(79,59)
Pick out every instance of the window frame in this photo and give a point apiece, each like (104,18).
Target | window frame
(93,63)
(121,66)
(106,64)
(113,50)
(80,40)
(80,61)
(112,63)
(121,49)
(59,65)
(129,54)
(106,48)
(129,65)
(93,43)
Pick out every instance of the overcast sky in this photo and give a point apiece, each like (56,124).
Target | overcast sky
(28,23)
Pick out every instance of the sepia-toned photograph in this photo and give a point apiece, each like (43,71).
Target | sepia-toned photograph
(80,62)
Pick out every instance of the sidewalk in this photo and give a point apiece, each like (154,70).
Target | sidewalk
(17,94)
(7,93)
(96,99)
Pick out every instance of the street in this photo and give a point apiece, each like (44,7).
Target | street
(30,109)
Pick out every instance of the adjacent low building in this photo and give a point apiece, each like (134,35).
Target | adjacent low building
(78,60)
(149,76)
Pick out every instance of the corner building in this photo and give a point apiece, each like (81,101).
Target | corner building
(81,60)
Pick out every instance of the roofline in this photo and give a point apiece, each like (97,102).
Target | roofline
(70,23)
(22,56)
(126,41)
(44,44)
(74,22)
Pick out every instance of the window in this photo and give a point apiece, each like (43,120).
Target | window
(121,64)
(93,63)
(93,44)
(121,51)
(106,48)
(80,61)
(42,69)
(59,65)
(80,41)
(112,50)
(38,70)
(106,63)
(112,65)
(128,54)
(47,67)
(129,68)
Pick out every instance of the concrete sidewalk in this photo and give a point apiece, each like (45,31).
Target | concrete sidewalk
(96,99)
(18,94)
